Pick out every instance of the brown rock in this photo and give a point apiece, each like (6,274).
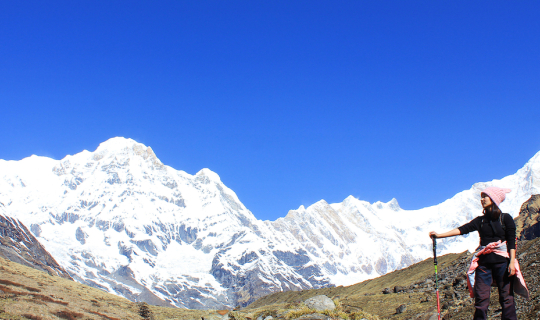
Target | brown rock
(401,309)
(528,220)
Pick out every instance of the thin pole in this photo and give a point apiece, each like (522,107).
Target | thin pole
(436,277)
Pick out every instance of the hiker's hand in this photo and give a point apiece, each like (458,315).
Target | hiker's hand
(511,269)
(433,234)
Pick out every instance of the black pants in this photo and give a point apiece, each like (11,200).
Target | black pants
(496,273)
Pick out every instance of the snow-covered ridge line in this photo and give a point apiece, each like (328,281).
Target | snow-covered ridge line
(119,219)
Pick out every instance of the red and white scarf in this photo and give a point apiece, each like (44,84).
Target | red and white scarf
(498,248)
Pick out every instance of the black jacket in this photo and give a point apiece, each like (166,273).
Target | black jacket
(492,232)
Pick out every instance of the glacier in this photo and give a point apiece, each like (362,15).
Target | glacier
(120,220)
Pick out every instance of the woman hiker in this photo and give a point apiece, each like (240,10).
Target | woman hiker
(495,259)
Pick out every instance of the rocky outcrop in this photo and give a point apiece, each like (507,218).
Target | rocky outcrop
(19,245)
(531,232)
(320,303)
(528,221)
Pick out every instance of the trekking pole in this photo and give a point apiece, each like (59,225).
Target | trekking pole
(436,277)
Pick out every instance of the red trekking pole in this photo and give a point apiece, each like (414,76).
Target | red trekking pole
(436,277)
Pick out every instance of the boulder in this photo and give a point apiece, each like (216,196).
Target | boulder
(398,289)
(320,303)
(386,291)
(401,309)
(216,316)
(313,316)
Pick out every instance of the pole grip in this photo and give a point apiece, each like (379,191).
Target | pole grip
(434,250)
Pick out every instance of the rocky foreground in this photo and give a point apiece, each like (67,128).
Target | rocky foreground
(406,294)
(460,306)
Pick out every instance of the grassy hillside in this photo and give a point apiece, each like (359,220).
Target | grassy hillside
(403,277)
(368,295)
(27,293)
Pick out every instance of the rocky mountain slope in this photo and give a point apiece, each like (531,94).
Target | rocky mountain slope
(120,220)
(18,244)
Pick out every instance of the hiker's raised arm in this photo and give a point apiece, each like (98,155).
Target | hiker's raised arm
(451,233)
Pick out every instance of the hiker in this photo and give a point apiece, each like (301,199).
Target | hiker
(495,259)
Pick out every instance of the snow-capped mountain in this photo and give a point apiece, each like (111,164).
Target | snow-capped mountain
(120,220)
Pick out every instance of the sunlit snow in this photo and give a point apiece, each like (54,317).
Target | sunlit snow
(119,218)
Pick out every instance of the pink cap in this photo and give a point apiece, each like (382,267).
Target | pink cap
(497,195)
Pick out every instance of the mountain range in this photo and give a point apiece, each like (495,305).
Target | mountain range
(120,220)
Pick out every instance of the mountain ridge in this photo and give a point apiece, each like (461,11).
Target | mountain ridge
(120,220)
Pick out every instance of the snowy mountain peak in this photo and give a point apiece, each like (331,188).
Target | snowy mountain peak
(117,144)
(534,162)
(320,203)
(392,205)
(120,146)
(210,174)
(535,158)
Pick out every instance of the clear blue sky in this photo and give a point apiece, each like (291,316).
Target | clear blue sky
(289,102)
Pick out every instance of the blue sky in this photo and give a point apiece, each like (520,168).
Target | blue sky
(289,102)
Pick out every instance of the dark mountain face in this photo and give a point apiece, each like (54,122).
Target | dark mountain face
(19,245)
(528,221)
